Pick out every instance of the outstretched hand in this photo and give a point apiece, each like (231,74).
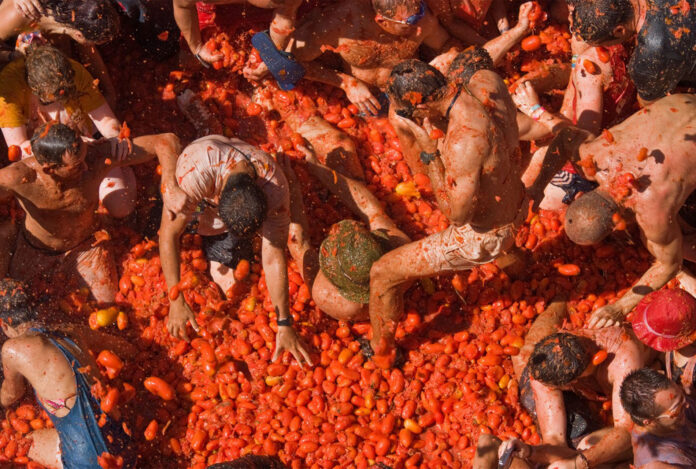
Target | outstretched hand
(606,316)
(287,339)
(31,9)
(525,97)
(179,315)
(523,17)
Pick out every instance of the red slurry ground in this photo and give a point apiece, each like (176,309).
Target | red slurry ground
(230,400)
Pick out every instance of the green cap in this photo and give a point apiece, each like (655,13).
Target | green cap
(346,257)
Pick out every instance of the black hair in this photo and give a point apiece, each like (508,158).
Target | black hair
(389,8)
(638,393)
(594,20)
(16,306)
(50,142)
(242,205)
(468,62)
(251,462)
(558,359)
(588,220)
(97,20)
(414,82)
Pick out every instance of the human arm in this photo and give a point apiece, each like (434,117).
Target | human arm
(14,384)
(529,129)
(283,23)
(589,96)
(659,465)
(499,14)
(31,9)
(456,27)
(18,136)
(551,414)
(527,101)
(663,239)
(105,121)
(357,197)
(275,267)
(186,17)
(13,20)
(541,454)
(169,243)
(499,46)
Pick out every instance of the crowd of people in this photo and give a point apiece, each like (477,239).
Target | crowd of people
(614,159)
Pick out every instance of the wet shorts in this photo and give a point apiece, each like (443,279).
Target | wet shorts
(462,247)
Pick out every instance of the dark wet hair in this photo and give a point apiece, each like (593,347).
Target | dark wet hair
(242,205)
(50,142)
(588,220)
(468,62)
(16,306)
(389,8)
(638,393)
(97,20)
(413,82)
(594,20)
(558,359)
(251,462)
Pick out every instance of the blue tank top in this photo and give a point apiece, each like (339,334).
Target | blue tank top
(82,441)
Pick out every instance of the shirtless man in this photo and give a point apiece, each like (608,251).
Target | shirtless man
(57,362)
(643,168)
(233,190)
(370,37)
(58,188)
(562,361)
(666,35)
(475,174)
(186,17)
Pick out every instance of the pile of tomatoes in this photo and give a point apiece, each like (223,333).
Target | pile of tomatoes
(220,396)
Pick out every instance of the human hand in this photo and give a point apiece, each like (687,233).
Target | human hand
(31,9)
(287,339)
(206,56)
(256,71)
(120,148)
(420,133)
(523,17)
(359,94)
(519,448)
(606,316)
(525,97)
(179,315)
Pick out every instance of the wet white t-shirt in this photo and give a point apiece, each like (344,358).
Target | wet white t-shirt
(202,168)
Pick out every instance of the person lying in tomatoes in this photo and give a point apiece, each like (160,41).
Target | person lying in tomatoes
(58,364)
(643,169)
(234,190)
(58,189)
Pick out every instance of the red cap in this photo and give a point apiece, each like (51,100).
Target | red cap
(665,320)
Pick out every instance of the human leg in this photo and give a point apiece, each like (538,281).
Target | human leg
(45,448)
(117,192)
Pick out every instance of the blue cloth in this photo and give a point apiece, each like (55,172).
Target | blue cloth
(284,68)
(82,441)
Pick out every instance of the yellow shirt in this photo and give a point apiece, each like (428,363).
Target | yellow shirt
(15,94)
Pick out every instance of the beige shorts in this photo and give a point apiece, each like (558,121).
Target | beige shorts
(462,247)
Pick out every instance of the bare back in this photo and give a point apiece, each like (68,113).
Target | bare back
(657,146)
(483,129)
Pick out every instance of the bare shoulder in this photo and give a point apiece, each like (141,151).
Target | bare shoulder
(23,348)
(16,174)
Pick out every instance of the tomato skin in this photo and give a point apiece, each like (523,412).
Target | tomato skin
(109,359)
(599,357)
(151,430)
(110,401)
(14,153)
(569,270)
(531,43)
(159,387)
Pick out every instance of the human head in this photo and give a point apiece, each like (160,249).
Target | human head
(399,17)
(602,22)
(653,401)
(559,359)
(242,205)
(665,320)
(250,462)
(588,220)
(16,306)
(50,75)
(467,63)
(92,22)
(413,84)
(346,257)
(55,144)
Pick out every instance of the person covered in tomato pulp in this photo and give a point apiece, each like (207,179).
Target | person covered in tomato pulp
(58,364)
(233,190)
